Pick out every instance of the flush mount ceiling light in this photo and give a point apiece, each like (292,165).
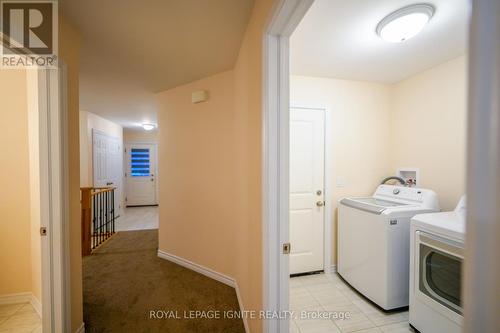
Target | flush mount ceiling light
(405,23)
(148,127)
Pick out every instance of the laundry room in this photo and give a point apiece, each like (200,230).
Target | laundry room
(378,118)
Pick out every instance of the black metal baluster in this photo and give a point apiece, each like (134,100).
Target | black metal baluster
(103,216)
(94,222)
(106,216)
(101,220)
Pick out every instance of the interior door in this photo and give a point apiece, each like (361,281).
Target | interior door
(307,164)
(141,175)
(107,164)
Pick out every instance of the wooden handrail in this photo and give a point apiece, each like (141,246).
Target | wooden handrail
(98,216)
(102,190)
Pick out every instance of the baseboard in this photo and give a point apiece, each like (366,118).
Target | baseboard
(331,270)
(242,309)
(35,303)
(81,329)
(198,268)
(211,274)
(15,298)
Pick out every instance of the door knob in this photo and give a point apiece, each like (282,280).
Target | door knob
(320,203)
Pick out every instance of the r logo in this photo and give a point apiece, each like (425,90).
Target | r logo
(27,27)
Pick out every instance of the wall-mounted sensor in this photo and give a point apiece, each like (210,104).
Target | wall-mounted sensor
(199,96)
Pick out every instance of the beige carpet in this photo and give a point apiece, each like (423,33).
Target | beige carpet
(125,280)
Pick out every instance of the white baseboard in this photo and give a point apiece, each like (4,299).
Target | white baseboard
(35,303)
(15,298)
(198,268)
(209,273)
(22,298)
(81,329)
(331,270)
(242,308)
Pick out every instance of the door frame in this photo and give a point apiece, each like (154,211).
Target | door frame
(286,15)
(327,186)
(483,164)
(51,90)
(127,145)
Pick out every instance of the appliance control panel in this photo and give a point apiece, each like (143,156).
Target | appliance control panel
(422,197)
(400,192)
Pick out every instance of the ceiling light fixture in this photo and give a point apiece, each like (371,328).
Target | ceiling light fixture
(148,127)
(405,22)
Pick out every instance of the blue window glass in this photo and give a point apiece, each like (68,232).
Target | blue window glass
(139,162)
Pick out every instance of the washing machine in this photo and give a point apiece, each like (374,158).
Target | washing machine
(374,241)
(437,253)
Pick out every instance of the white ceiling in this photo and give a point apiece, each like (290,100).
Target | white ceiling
(337,39)
(132,49)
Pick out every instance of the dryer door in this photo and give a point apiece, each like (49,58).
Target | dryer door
(440,274)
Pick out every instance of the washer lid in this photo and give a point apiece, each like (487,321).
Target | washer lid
(371,204)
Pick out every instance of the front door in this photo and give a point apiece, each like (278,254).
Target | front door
(141,175)
(307,164)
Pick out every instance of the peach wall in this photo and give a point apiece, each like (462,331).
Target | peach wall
(197,173)
(15,233)
(139,136)
(247,124)
(210,163)
(408,124)
(429,128)
(360,115)
(69,52)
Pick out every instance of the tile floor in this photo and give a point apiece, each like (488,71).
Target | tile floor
(19,318)
(137,218)
(329,294)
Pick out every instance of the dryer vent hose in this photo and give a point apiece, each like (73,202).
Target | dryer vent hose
(399,179)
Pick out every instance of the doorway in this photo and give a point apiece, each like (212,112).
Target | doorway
(141,174)
(276,154)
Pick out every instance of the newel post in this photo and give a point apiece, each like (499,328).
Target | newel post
(86,205)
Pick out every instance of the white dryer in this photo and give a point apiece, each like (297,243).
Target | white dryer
(374,241)
(437,253)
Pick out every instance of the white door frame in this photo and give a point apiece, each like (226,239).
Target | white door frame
(275,173)
(54,205)
(327,186)
(481,268)
(482,243)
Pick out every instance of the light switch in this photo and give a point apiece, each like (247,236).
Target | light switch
(341,182)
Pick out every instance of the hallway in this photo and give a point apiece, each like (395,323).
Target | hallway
(137,218)
(124,280)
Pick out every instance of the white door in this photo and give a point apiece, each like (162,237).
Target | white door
(141,175)
(107,164)
(307,169)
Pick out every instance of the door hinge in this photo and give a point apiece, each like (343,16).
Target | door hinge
(43,231)
(125,199)
(286,248)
